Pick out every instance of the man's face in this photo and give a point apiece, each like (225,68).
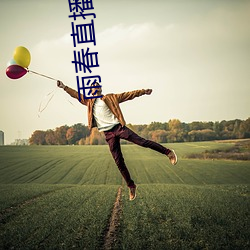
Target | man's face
(97,90)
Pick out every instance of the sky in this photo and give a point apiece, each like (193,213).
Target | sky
(194,54)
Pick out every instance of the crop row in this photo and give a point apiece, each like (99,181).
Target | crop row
(94,165)
(65,218)
(187,217)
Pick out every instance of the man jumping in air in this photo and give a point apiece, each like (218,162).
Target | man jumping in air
(105,114)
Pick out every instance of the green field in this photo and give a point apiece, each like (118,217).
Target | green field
(62,197)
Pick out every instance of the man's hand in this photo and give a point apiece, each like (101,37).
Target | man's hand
(60,84)
(148,91)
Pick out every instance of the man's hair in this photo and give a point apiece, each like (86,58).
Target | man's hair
(95,83)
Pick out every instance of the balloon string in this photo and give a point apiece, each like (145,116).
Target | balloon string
(71,103)
(51,78)
(50,96)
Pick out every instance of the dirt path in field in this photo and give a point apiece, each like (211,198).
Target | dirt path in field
(112,231)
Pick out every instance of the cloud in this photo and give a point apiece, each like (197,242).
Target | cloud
(125,33)
(119,43)
(53,57)
(214,43)
(122,49)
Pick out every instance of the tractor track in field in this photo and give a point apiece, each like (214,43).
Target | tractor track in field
(114,222)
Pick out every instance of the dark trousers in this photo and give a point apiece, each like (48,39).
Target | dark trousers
(113,137)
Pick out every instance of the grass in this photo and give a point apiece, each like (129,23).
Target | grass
(57,165)
(187,217)
(65,218)
(61,197)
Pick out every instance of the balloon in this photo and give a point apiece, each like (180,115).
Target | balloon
(22,56)
(15,71)
(11,62)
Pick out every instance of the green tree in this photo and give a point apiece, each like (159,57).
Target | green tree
(236,129)
(196,126)
(202,135)
(175,133)
(217,129)
(244,130)
(157,125)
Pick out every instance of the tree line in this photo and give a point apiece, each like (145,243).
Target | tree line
(172,131)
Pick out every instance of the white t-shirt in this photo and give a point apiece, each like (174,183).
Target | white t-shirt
(105,119)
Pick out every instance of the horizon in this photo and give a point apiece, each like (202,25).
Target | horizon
(147,124)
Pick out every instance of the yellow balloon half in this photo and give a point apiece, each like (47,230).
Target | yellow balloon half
(22,56)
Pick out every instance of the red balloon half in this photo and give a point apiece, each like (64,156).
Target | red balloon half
(15,71)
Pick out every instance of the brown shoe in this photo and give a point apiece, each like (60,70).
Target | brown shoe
(172,157)
(132,193)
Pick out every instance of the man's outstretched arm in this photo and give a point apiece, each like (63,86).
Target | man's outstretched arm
(132,94)
(71,92)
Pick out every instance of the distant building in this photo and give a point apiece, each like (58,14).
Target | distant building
(1,138)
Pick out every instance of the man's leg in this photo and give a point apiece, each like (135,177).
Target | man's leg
(115,149)
(131,136)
